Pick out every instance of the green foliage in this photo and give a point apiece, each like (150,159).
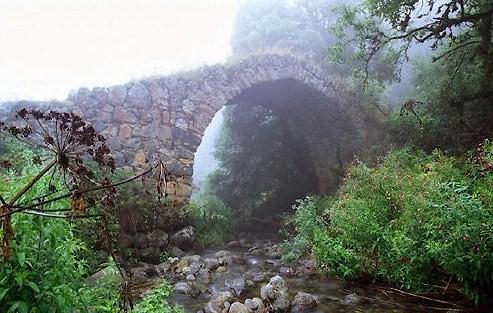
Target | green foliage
(263,166)
(299,26)
(157,301)
(413,220)
(45,272)
(389,28)
(102,296)
(300,227)
(442,117)
(211,218)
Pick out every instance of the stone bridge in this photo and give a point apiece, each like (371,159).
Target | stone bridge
(167,115)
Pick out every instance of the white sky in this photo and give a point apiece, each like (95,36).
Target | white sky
(49,47)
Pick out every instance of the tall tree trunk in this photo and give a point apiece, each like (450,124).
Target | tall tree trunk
(485,30)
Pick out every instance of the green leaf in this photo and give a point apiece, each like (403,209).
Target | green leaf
(19,307)
(33,286)
(21,258)
(3,292)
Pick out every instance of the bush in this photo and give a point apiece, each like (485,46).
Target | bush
(413,220)
(157,301)
(211,218)
(45,272)
(300,227)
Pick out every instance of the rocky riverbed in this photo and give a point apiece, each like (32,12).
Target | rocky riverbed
(249,276)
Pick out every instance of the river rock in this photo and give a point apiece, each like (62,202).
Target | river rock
(212,307)
(255,304)
(281,303)
(157,238)
(221,269)
(307,267)
(181,264)
(286,271)
(234,244)
(255,276)
(239,307)
(144,272)
(222,296)
(352,299)
(195,264)
(187,288)
(211,264)
(267,292)
(276,291)
(105,273)
(303,302)
(223,257)
(190,277)
(279,284)
(150,255)
(237,285)
(177,252)
(184,238)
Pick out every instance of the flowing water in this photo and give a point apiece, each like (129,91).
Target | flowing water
(249,266)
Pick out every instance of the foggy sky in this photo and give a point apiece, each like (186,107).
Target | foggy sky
(49,47)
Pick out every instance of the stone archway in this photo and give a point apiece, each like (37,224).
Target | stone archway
(167,116)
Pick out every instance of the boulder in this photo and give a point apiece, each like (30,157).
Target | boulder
(239,307)
(211,264)
(281,302)
(181,265)
(212,307)
(279,284)
(163,267)
(303,302)
(106,273)
(276,291)
(237,285)
(286,271)
(189,289)
(184,238)
(267,292)
(255,304)
(254,276)
(157,238)
(221,297)
(150,255)
(177,252)
(143,272)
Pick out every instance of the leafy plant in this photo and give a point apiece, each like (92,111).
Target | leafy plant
(44,272)
(211,218)
(157,301)
(414,220)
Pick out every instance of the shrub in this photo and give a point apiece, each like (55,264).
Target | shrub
(45,271)
(157,301)
(211,218)
(301,227)
(413,220)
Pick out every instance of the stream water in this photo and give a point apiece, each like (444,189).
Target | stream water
(242,268)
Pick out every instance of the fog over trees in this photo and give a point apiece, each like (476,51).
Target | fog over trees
(246,156)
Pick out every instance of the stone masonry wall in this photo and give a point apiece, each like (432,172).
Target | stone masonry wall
(167,115)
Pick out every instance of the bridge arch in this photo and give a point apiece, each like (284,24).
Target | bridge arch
(167,116)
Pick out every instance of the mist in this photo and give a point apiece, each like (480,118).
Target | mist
(51,47)
(246,156)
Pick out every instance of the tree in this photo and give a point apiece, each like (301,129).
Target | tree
(461,30)
(263,166)
(300,26)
